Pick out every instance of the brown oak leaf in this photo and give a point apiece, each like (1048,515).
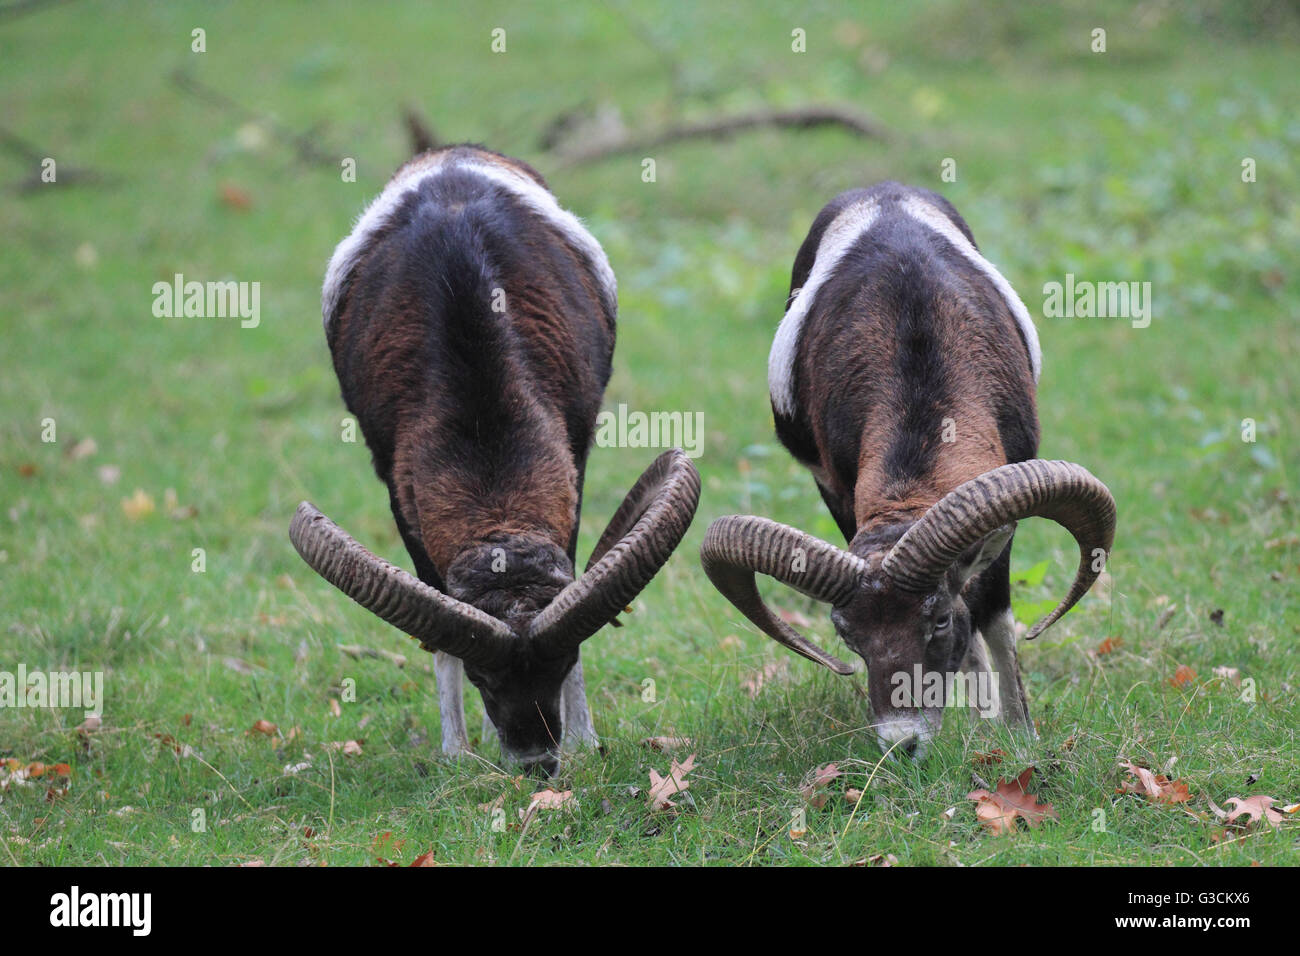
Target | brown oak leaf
(1248,811)
(545,800)
(1010,800)
(815,784)
(1156,787)
(662,788)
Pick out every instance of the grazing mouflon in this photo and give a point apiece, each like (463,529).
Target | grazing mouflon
(904,377)
(471,321)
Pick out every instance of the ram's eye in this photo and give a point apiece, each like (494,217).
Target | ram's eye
(944,622)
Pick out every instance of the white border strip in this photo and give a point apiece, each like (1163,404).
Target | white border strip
(537,198)
(928,215)
(840,236)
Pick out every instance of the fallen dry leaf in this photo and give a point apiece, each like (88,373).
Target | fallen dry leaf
(264,727)
(880,859)
(545,800)
(424,859)
(815,784)
(138,506)
(661,788)
(350,748)
(1010,800)
(385,843)
(235,197)
(1184,675)
(89,726)
(1229,674)
(1156,787)
(988,759)
(1253,809)
(1109,645)
(178,748)
(662,744)
(173,507)
(82,449)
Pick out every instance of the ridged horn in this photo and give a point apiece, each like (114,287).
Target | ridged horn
(739,546)
(439,622)
(1060,490)
(644,531)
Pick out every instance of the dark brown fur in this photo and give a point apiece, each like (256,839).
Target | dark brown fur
(904,342)
(479,420)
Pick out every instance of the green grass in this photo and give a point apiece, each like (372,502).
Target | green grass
(1117,166)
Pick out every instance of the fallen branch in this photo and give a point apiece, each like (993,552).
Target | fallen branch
(797,118)
(20,8)
(29,153)
(304,144)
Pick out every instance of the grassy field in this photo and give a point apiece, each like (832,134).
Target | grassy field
(1122,165)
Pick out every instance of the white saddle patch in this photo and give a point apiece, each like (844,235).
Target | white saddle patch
(934,218)
(840,236)
(538,200)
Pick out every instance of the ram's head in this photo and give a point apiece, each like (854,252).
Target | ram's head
(518,634)
(896,595)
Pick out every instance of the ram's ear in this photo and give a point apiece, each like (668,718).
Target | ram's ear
(983,553)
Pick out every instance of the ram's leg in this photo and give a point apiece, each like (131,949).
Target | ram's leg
(1000,637)
(451,703)
(489,729)
(977,671)
(578,729)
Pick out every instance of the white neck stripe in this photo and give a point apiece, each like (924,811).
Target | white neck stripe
(840,236)
(928,215)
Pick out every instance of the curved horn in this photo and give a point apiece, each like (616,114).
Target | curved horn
(645,529)
(1065,492)
(438,622)
(737,547)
